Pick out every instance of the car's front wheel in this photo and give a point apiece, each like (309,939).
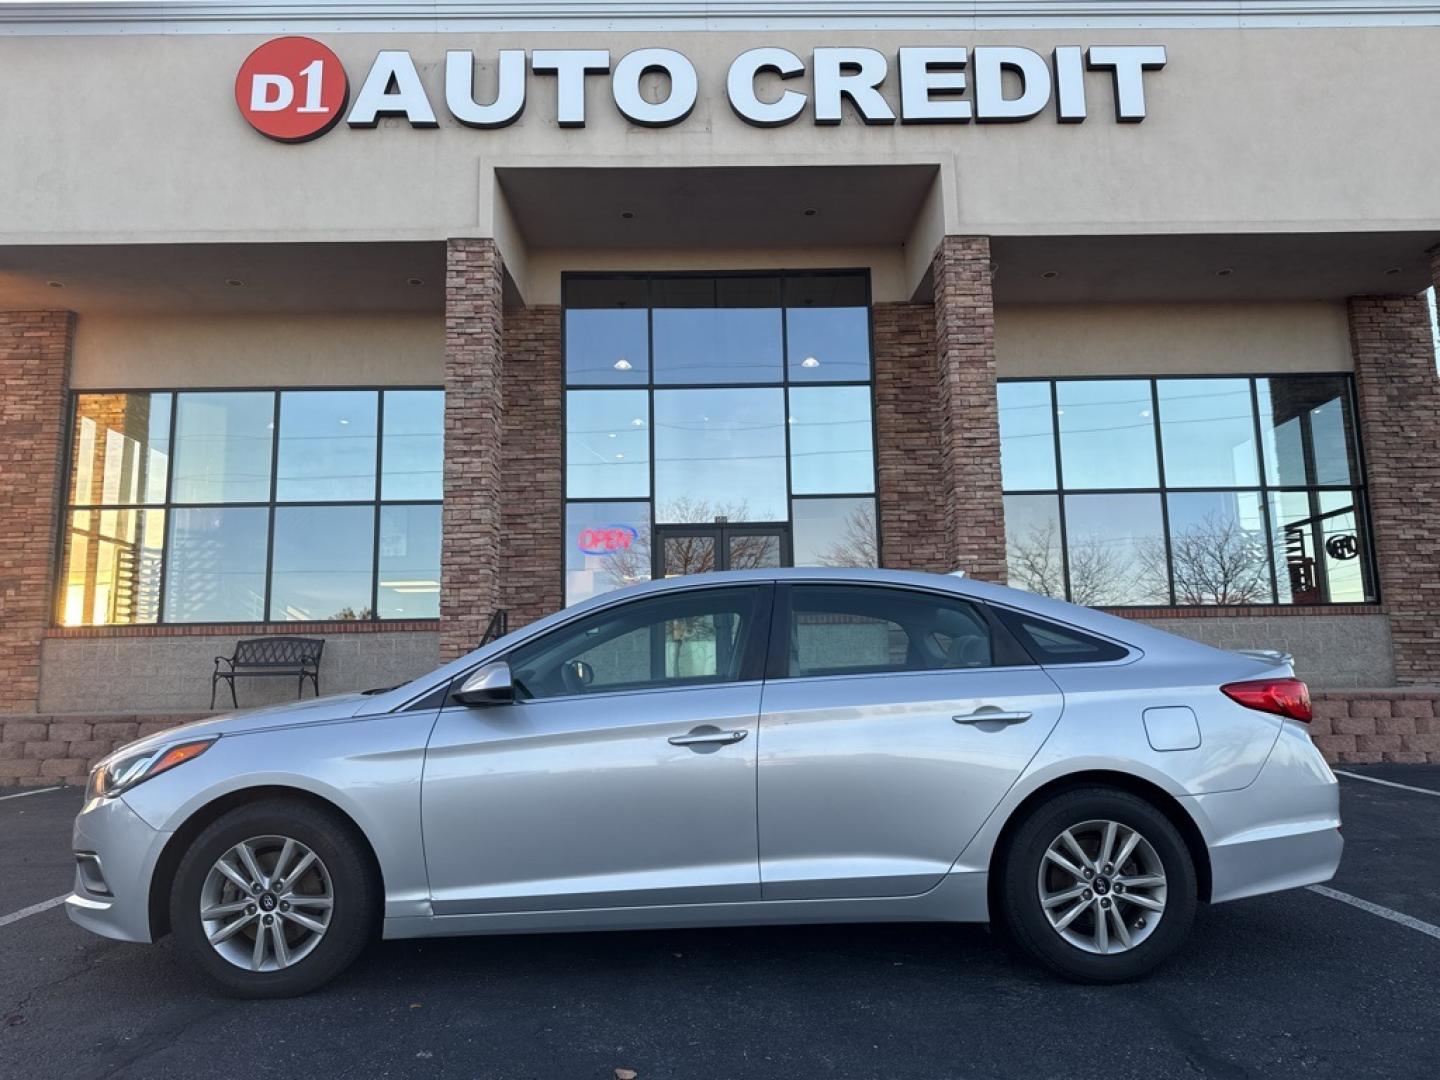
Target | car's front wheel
(1098,885)
(273,899)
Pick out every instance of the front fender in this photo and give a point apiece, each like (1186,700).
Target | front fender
(368,768)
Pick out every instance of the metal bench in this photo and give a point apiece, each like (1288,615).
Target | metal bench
(296,657)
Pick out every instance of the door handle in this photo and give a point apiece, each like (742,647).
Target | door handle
(989,714)
(704,736)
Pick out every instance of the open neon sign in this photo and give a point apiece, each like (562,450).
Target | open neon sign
(607,539)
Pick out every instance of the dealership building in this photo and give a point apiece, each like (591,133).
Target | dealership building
(388,323)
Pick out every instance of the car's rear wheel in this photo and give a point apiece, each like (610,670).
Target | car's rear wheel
(273,899)
(1098,885)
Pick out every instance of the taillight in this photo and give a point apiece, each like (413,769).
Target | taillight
(1284,697)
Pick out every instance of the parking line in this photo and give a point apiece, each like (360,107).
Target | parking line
(44,905)
(37,791)
(1375,909)
(1387,783)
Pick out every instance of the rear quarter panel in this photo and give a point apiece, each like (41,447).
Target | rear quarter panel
(1102,730)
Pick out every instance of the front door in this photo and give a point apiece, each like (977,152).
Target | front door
(623,774)
(702,549)
(895,724)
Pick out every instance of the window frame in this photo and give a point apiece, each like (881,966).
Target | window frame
(755,649)
(168,506)
(1359,488)
(649,386)
(1007,654)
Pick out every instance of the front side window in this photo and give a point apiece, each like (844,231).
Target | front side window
(253,506)
(868,630)
(716,422)
(695,638)
(1185,491)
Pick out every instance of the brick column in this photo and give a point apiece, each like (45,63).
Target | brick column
(914,529)
(474,431)
(34,383)
(968,412)
(533,454)
(1399,404)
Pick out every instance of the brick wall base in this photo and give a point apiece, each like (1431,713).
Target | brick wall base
(1351,727)
(1362,727)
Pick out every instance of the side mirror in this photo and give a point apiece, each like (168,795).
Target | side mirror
(490,684)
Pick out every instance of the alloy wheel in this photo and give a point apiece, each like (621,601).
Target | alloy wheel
(1102,887)
(266,903)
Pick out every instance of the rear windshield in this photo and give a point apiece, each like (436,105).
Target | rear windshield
(1051,643)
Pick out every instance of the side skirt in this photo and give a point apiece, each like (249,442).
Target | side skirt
(960,897)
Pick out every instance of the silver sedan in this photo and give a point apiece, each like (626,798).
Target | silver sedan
(763,747)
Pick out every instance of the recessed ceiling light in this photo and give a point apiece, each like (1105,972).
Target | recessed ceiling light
(612,435)
(810,362)
(1224,271)
(619,457)
(637,422)
(1050,275)
(56,284)
(810,211)
(623,365)
(234,282)
(414,281)
(344,422)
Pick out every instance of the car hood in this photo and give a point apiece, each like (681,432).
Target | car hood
(289,714)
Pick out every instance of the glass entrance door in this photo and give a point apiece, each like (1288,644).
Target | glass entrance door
(701,549)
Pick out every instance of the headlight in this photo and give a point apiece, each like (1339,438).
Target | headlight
(122,771)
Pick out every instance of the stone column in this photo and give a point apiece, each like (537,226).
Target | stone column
(1398,393)
(34,387)
(914,527)
(968,487)
(470,558)
(534,462)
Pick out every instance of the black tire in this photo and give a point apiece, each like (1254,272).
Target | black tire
(356,896)
(1019,896)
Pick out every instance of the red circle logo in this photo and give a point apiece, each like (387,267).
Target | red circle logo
(292,89)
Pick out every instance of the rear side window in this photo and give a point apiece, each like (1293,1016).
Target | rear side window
(855,630)
(1051,643)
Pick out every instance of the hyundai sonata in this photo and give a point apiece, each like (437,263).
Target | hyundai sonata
(762,747)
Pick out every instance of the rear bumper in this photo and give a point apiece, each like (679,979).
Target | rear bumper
(1281,832)
(125,850)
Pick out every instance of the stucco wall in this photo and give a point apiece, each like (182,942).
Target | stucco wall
(120,351)
(172,674)
(1331,651)
(116,138)
(1171,339)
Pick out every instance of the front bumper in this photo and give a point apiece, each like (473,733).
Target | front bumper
(1281,832)
(126,851)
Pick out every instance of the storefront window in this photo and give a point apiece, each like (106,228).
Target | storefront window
(717,330)
(607,443)
(720,453)
(274,505)
(1254,496)
(327,446)
(827,328)
(1107,433)
(747,440)
(607,547)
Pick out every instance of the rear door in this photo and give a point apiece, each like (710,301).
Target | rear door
(893,722)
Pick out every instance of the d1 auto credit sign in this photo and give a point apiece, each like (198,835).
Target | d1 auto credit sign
(292,89)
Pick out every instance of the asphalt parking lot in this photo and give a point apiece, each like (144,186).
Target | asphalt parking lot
(1299,984)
